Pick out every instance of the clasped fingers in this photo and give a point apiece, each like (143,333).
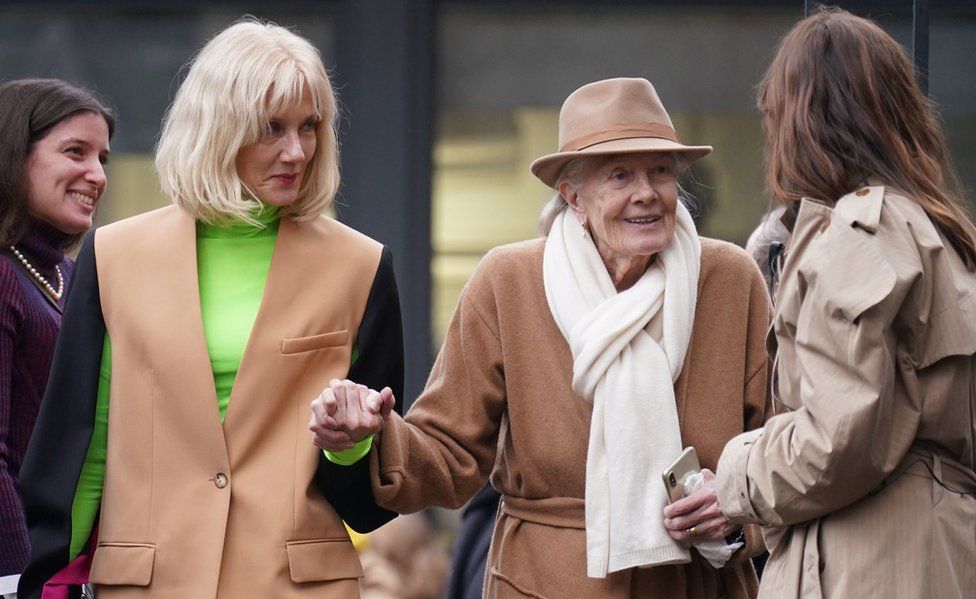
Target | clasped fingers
(325,430)
(347,407)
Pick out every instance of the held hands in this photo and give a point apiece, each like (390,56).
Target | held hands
(346,413)
(698,513)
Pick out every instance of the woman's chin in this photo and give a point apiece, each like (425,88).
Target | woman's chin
(75,225)
(279,200)
(653,244)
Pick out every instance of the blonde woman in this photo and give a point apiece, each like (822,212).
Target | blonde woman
(176,417)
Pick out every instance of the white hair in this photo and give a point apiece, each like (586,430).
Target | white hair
(244,74)
(572,173)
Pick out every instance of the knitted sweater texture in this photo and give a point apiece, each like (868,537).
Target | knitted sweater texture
(28,329)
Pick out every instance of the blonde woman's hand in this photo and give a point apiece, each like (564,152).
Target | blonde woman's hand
(698,513)
(346,412)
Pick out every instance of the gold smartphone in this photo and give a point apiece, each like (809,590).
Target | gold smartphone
(675,473)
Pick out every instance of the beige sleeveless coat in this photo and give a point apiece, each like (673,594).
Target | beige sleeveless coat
(196,509)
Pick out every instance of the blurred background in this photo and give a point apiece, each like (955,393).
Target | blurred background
(446,102)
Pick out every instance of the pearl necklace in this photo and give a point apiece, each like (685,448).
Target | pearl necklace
(40,278)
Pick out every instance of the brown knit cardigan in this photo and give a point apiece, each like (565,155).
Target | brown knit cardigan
(500,403)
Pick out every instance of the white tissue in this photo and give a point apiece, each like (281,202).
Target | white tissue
(716,552)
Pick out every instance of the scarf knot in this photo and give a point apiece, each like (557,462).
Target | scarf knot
(628,349)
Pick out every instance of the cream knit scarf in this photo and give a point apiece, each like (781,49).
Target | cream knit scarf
(628,349)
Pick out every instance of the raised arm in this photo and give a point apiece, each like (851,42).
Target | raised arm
(849,431)
(442,452)
(444,449)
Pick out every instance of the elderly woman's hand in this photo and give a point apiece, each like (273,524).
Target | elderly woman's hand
(698,517)
(346,413)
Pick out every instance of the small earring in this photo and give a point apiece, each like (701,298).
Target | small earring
(586,231)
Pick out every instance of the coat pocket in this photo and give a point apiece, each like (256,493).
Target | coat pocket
(123,564)
(323,559)
(304,344)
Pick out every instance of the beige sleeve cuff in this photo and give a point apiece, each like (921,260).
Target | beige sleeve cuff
(732,482)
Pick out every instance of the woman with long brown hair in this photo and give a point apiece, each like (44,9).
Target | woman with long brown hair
(867,475)
(54,143)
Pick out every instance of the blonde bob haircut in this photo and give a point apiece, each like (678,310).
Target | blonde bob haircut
(242,77)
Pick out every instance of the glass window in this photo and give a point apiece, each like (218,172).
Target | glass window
(504,74)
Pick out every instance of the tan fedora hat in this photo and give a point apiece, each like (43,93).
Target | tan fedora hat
(613,116)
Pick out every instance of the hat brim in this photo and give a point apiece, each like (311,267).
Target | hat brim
(547,167)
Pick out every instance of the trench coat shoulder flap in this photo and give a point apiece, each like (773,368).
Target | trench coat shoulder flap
(123,564)
(946,302)
(876,254)
(844,263)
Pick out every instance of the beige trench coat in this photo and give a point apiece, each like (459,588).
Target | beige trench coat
(876,329)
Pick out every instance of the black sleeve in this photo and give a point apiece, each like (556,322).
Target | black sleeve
(379,364)
(52,465)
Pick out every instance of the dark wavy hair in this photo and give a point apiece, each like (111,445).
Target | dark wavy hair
(29,109)
(840,104)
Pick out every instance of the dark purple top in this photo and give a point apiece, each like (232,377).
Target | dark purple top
(28,328)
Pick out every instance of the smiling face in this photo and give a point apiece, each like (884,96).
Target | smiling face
(273,168)
(66,172)
(629,204)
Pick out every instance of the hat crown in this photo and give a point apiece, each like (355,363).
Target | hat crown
(613,116)
(608,105)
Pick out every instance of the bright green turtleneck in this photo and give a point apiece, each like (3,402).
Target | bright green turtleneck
(232,268)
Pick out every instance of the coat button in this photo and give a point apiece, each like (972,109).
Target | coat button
(862,192)
(220,480)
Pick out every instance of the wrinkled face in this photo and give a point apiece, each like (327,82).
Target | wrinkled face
(628,202)
(66,173)
(273,168)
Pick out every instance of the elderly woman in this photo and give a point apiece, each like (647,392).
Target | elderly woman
(578,365)
(869,472)
(176,413)
(54,143)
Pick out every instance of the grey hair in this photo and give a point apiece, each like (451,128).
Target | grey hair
(571,172)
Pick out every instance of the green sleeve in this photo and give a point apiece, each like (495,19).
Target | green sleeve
(348,457)
(88,494)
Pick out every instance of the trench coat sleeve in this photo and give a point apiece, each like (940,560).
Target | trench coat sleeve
(756,395)
(64,427)
(379,343)
(849,431)
(442,452)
